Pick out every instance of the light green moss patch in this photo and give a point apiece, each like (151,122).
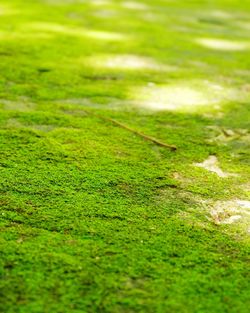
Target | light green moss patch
(94,218)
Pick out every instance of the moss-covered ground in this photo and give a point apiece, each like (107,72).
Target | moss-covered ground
(93,217)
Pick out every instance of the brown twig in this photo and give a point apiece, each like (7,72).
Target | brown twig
(145,137)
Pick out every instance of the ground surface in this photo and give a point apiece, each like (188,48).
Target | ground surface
(93,217)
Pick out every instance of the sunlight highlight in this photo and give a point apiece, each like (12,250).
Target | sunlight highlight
(244,25)
(106,13)
(100,2)
(133,5)
(192,96)
(77,31)
(127,62)
(104,35)
(64,2)
(220,14)
(6,10)
(223,45)
(23,35)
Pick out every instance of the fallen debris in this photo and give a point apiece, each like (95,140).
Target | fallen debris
(145,137)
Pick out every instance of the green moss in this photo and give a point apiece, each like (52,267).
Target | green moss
(93,217)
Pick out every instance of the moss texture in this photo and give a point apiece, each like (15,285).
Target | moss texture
(93,217)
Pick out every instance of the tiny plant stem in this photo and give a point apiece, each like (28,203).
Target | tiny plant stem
(145,137)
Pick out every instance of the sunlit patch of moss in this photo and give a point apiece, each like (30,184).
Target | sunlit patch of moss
(192,96)
(22,105)
(6,9)
(74,31)
(101,2)
(244,25)
(134,5)
(223,45)
(126,62)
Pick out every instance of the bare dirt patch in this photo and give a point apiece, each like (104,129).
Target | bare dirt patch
(22,105)
(229,212)
(211,164)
